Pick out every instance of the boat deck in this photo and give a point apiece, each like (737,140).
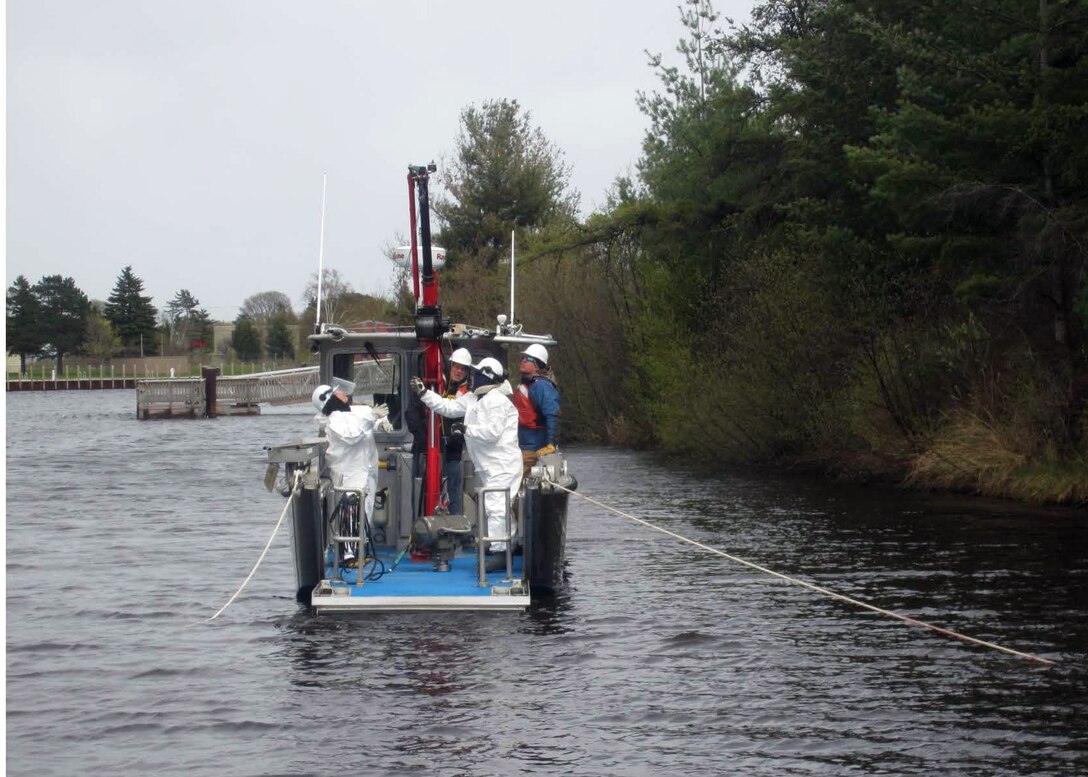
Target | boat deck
(415,585)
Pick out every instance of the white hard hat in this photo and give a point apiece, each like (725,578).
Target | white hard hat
(490,368)
(321,396)
(538,352)
(461,356)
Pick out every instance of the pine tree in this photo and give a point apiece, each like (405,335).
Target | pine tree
(24,322)
(247,339)
(280,341)
(132,315)
(65,313)
(506,174)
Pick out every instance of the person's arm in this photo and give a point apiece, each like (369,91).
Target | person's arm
(450,408)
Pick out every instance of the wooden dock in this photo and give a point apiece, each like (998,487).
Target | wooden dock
(213,395)
(206,396)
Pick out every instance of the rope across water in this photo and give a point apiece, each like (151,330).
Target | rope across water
(811,586)
(267,545)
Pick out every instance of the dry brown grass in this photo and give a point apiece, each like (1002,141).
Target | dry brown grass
(978,455)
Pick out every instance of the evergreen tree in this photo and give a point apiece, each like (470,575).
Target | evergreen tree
(132,315)
(506,174)
(280,340)
(983,160)
(24,335)
(247,339)
(65,313)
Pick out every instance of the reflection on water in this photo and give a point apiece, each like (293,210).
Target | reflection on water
(656,658)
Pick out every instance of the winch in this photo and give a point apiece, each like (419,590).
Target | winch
(442,535)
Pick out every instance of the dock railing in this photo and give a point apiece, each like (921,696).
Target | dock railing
(212,394)
(170,398)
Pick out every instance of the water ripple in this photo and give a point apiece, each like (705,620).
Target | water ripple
(657,659)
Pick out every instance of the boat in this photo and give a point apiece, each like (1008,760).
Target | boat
(418,556)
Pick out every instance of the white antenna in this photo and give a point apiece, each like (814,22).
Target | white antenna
(511,277)
(321,251)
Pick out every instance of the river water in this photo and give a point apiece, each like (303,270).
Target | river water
(659,658)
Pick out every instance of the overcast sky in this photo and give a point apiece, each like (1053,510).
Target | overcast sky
(188,138)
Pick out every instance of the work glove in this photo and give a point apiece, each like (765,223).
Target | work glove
(549,448)
(380,411)
(417,386)
(457,431)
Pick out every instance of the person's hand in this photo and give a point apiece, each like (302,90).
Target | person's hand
(380,411)
(549,448)
(457,431)
(417,386)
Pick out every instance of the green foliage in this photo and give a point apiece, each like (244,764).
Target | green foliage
(884,224)
(100,343)
(131,315)
(857,226)
(24,335)
(505,176)
(246,340)
(281,342)
(65,311)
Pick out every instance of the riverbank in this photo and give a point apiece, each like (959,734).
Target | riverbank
(963,461)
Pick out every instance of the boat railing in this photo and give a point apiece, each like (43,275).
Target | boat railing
(482,539)
(337,539)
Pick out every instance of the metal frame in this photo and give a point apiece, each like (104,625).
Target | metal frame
(336,539)
(482,538)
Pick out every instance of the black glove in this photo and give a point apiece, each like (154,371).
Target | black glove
(417,386)
(457,431)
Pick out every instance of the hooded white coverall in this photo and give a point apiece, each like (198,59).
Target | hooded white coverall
(491,436)
(352,455)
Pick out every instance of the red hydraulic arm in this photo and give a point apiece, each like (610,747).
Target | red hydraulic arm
(429,324)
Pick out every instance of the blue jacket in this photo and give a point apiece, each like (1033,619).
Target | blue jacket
(537,401)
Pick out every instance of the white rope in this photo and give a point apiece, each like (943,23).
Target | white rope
(267,545)
(810,586)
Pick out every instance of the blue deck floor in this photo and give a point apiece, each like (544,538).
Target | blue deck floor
(419,578)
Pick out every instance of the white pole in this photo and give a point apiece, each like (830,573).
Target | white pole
(511,277)
(321,250)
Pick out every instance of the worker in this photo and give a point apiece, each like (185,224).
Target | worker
(352,455)
(537,401)
(453,445)
(490,431)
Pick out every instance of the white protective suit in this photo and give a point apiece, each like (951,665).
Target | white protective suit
(352,455)
(491,436)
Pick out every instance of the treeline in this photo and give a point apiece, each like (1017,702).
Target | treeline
(54,318)
(856,241)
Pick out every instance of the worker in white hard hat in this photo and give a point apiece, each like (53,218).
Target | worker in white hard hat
(490,431)
(351,455)
(537,401)
(457,384)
